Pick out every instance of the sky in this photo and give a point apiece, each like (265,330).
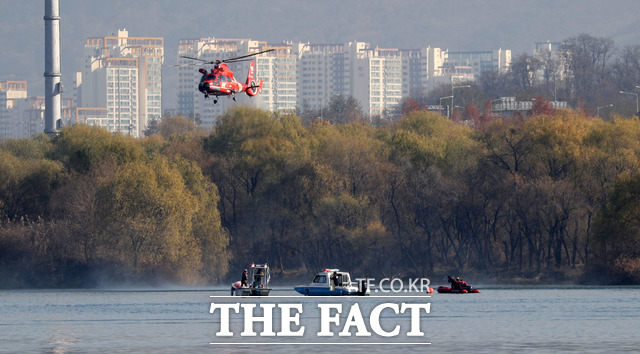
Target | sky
(457,25)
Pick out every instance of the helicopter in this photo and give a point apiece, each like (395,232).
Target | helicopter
(221,82)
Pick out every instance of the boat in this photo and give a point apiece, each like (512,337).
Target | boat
(257,282)
(448,290)
(333,282)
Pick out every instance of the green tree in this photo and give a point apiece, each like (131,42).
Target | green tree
(146,214)
(81,147)
(617,231)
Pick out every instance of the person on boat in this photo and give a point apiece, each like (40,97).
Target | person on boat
(455,283)
(334,278)
(257,278)
(464,285)
(245,278)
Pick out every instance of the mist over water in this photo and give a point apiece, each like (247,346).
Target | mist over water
(540,319)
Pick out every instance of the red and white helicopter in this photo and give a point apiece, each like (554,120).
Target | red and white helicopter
(220,81)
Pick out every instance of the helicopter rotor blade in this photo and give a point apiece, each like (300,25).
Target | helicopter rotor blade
(245,56)
(189,64)
(230,60)
(192,58)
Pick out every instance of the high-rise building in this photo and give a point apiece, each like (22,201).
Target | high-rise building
(278,70)
(321,73)
(420,67)
(376,79)
(124,75)
(372,76)
(497,61)
(13,101)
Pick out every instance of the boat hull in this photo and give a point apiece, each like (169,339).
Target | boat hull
(251,291)
(320,291)
(448,290)
(238,290)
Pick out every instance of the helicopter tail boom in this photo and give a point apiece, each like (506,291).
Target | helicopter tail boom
(253,87)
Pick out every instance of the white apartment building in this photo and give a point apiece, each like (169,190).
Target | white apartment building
(278,70)
(321,73)
(372,76)
(377,80)
(123,75)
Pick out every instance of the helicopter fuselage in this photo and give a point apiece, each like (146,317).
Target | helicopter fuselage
(219,82)
(212,85)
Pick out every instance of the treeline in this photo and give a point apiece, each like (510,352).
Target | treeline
(88,207)
(551,196)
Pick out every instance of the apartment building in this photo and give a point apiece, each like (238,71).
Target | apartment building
(278,71)
(321,73)
(420,67)
(13,101)
(123,75)
(480,61)
(376,80)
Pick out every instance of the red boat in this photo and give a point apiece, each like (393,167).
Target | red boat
(448,290)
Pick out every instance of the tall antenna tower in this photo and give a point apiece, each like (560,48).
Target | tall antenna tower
(52,76)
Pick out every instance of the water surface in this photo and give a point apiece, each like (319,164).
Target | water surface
(532,319)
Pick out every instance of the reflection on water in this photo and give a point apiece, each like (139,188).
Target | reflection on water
(552,319)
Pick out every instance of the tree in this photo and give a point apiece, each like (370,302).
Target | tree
(27,185)
(541,106)
(146,213)
(470,113)
(617,231)
(587,68)
(81,147)
(343,110)
(152,128)
(522,73)
(552,71)
(176,125)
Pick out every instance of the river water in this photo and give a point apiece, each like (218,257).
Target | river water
(531,319)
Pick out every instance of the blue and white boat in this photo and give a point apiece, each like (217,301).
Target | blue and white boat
(333,282)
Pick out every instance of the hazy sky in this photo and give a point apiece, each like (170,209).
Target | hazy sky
(452,24)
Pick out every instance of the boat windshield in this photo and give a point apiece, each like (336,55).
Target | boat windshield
(320,279)
(344,278)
